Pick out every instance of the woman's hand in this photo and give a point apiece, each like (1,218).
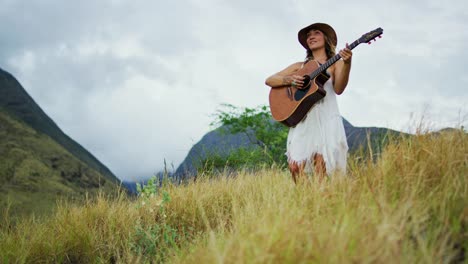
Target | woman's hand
(346,54)
(296,81)
(341,72)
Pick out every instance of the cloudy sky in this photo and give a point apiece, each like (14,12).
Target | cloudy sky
(136,82)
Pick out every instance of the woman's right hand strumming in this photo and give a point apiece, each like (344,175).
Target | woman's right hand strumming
(296,81)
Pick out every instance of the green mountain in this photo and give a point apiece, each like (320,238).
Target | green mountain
(17,102)
(38,162)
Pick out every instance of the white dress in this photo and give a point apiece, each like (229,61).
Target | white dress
(320,132)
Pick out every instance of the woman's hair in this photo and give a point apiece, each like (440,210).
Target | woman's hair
(329,49)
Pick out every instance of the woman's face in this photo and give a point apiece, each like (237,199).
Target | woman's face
(315,39)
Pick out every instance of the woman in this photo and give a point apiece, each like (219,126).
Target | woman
(319,140)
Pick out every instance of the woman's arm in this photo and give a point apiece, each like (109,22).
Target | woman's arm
(285,77)
(342,69)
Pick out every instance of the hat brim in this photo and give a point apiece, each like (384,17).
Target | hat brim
(325,28)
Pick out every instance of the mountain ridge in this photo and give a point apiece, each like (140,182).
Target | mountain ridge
(18,103)
(40,164)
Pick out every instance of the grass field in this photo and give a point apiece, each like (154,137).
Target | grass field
(409,205)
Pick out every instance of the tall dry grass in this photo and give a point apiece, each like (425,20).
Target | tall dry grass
(407,206)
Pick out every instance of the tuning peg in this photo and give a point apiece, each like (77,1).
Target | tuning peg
(380,36)
(369,43)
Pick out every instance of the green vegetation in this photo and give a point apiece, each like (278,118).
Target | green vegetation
(35,171)
(407,206)
(267,139)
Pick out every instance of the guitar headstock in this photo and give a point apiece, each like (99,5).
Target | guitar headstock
(371,35)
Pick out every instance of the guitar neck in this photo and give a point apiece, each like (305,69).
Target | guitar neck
(331,61)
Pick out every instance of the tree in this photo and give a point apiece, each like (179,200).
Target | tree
(268,137)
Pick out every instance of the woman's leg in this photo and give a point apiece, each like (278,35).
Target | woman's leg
(319,167)
(297,170)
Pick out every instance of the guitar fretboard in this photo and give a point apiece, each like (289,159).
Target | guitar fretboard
(330,62)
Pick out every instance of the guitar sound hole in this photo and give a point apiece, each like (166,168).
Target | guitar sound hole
(299,94)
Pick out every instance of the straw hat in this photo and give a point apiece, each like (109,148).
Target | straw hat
(325,28)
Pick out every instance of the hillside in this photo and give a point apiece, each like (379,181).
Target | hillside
(38,162)
(214,142)
(17,102)
(35,171)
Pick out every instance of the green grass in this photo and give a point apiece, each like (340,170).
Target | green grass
(407,206)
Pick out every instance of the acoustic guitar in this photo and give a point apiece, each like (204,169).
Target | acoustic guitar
(290,105)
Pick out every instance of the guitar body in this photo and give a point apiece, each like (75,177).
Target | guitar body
(290,105)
